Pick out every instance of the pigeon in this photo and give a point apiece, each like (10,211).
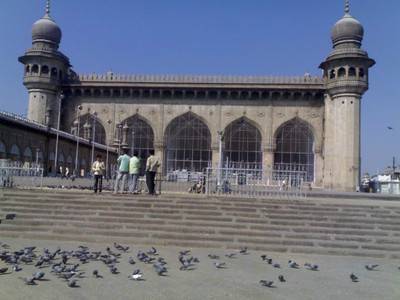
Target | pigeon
(276,265)
(136,275)
(264,257)
(17,268)
(292,264)
(10,216)
(3,270)
(113,269)
(219,265)
(38,275)
(72,283)
(184,252)
(64,259)
(281,278)
(29,280)
(152,251)
(390,127)
(371,267)
(231,255)
(269,261)
(96,274)
(267,283)
(243,250)
(213,256)
(311,267)
(161,261)
(160,269)
(121,248)
(131,260)
(353,277)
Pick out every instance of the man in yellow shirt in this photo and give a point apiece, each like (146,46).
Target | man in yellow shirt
(98,170)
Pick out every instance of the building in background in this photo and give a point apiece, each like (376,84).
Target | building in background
(305,124)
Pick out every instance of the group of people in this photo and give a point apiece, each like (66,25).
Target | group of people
(128,168)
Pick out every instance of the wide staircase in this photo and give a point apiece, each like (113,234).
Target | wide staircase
(353,227)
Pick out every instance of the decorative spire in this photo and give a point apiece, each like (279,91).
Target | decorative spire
(48,8)
(347,7)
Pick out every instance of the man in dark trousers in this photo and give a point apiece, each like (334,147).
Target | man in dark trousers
(98,170)
(152,166)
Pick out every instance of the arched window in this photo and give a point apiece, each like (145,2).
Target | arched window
(52,156)
(99,131)
(352,72)
(15,153)
(342,72)
(35,69)
(3,150)
(69,161)
(295,149)
(140,138)
(87,93)
(243,145)
(188,144)
(332,74)
(78,93)
(54,72)
(27,69)
(45,70)
(361,73)
(28,154)
(61,75)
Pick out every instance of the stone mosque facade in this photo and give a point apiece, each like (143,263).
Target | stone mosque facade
(306,124)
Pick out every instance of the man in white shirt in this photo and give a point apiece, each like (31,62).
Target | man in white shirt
(152,166)
(98,170)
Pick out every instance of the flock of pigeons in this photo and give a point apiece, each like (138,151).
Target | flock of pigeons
(66,264)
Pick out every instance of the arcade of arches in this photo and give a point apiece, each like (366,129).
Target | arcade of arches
(187,144)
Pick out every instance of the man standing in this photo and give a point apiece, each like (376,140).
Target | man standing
(152,165)
(134,169)
(123,171)
(98,170)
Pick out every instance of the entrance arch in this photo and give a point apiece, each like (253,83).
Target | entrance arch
(188,144)
(295,148)
(242,142)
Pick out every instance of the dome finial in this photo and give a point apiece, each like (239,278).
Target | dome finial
(347,7)
(48,8)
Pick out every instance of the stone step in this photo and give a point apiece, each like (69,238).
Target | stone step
(285,225)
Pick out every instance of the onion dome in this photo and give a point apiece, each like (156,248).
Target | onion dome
(347,29)
(46,30)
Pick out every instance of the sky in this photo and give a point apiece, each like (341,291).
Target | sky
(215,37)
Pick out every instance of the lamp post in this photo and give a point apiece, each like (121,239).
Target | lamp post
(119,132)
(220,139)
(133,141)
(78,113)
(93,134)
(109,122)
(60,98)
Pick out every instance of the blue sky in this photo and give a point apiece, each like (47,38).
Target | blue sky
(232,37)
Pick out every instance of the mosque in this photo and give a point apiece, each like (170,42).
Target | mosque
(306,124)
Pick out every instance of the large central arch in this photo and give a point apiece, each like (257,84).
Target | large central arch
(295,148)
(86,123)
(188,144)
(242,145)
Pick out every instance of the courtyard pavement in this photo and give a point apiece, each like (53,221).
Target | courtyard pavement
(239,280)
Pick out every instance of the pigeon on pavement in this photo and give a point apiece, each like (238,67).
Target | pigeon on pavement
(267,283)
(311,267)
(292,264)
(3,270)
(213,256)
(160,269)
(281,278)
(136,275)
(96,274)
(371,267)
(72,283)
(231,255)
(29,280)
(131,260)
(220,265)
(353,278)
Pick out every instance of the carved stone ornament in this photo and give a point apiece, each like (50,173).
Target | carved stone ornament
(280,115)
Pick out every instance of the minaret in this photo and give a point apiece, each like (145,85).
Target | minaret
(346,80)
(45,69)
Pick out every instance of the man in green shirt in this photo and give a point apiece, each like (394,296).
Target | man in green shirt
(134,170)
(123,171)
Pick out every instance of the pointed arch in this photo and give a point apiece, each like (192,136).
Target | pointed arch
(188,144)
(140,137)
(243,144)
(100,132)
(294,150)
(28,154)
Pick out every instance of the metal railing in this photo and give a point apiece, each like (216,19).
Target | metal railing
(256,183)
(20,176)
